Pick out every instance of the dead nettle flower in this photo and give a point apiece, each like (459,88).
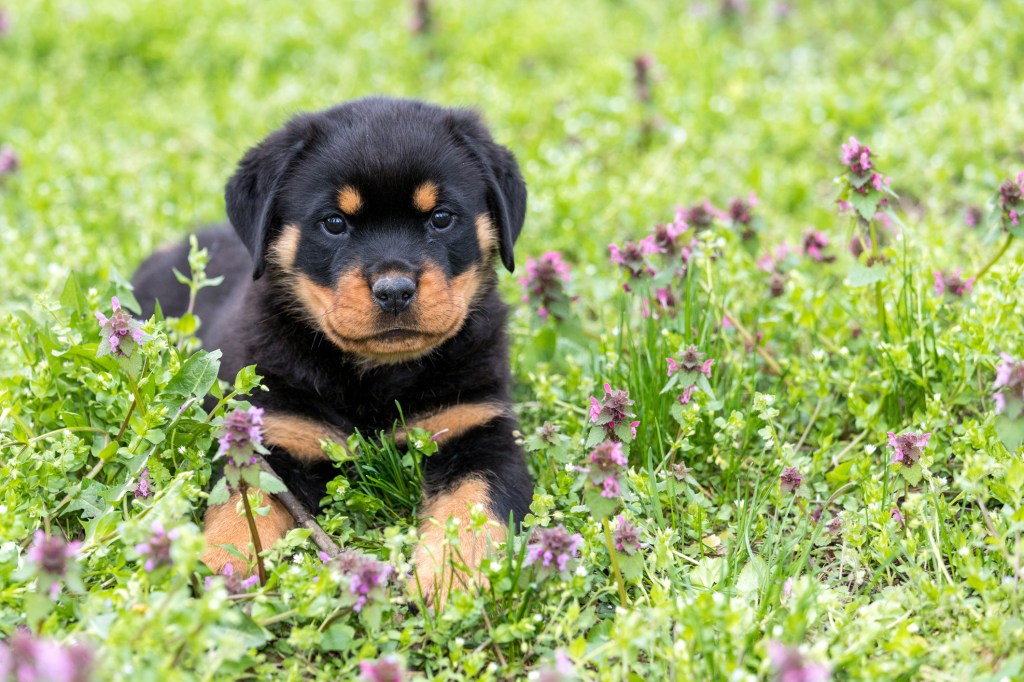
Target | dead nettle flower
(835,526)
(907,447)
(553,549)
(367,577)
(680,471)
(626,536)
(690,361)
(241,439)
(790,665)
(5,28)
(642,66)
(703,215)
(9,162)
(857,158)
(632,258)
(562,670)
(421,19)
(816,514)
(613,414)
(1009,382)
(790,479)
(742,217)
(973,216)
(814,244)
(1011,201)
(385,669)
(664,304)
(607,464)
(142,486)
(897,516)
(157,549)
(545,282)
(28,659)
(51,554)
(666,236)
(234,583)
(122,334)
(952,283)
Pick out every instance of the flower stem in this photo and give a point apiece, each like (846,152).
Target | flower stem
(879,300)
(999,254)
(615,561)
(255,536)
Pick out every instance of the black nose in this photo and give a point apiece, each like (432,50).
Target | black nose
(394,294)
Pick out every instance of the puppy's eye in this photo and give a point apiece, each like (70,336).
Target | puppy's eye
(441,220)
(334,224)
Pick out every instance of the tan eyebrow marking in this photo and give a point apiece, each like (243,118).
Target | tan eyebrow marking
(486,235)
(454,421)
(425,197)
(349,200)
(284,249)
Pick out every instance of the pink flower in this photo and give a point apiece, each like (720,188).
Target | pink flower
(973,216)
(907,447)
(157,549)
(120,334)
(553,548)
(544,283)
(613,411)
(790,479)
(142,486)
(701,216)
(632,257)
(814,245)
(242,434)
(367,577)
(896,516)
(857,157)
(690,361)
(642,66)
(687,394)
(607,463)
(9,162)
(562,671)
(51,556)
(1011,200)
(26,658)
(1009,381)
(232,583)
(626,536)
(385,669)
(952,283)
(790,665)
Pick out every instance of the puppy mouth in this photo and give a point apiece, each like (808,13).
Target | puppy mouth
(397,334)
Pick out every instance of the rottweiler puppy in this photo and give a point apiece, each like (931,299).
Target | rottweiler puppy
(359,272)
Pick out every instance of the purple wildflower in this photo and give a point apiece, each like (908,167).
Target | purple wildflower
(787,588)
(790,665)
(897,516)
(545,282)
(790,479)
(814,244)
(121,333)
(642,66)
(242,434)
(907,447)
(952,283)
(687,394)
(562,671)
(626,536)
(666,236)
(973,216)
(50,554)
(1011,200)
(816,514)
(742,216)
(632,257)
(835,526)
(421,20)
(607,464)
(612,412)
(702,216)
(27,659)
(142,486)
(857,157)
(691,362)
(385,669)
(234,584)
(367,577)
(9,162)
(553,548)
(157,549)
(1010,379)
(680,471)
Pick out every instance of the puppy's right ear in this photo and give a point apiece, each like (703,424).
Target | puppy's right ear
(252,192)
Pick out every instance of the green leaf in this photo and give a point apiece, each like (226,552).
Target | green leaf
(271,484)
(912,474)
(196,376)
(339,637)
(861,275)
(247,379)
(866,204)
(219,494)
(72,298)
(599,506)
(597,435)
(632,566)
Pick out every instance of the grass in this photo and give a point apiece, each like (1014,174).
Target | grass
(128,117)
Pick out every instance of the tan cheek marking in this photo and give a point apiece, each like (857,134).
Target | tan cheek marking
(486,236)
(425,197)
(283,250)
(454,421)
(349,200)
(225,526)
(299,436)
(433,558)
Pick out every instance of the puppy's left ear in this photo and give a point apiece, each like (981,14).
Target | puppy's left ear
(506,189)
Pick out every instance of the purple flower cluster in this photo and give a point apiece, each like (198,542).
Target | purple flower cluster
(952,283)
(121,333)
(703,215)
(553,548)
(607,464)
(613,412)
(9,162)
(367,577)
(233,583)
(814,244)
(142,486)
(691,364)
(626,536)
(1009,382)
(741,214)
(28,659)
(385,669)
(1011,200)
(857,158)
(642,66)
(562,670)
(790,666)
(51,556)
(973,216)
(545,282)
(243,433)
(790,479)
(907,447)
(632,258)
(157,549)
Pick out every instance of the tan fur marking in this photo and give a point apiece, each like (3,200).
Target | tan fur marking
(300,436)
(425,197)
(454,421)
(435,575)
(486,236)
(224,525)
(283,250)
(349,200)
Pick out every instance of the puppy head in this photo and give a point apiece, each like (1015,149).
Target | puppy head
(381,217)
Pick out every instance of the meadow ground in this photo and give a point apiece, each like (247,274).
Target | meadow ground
(780,530)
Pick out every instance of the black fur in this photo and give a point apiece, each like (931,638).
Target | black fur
(383,147)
